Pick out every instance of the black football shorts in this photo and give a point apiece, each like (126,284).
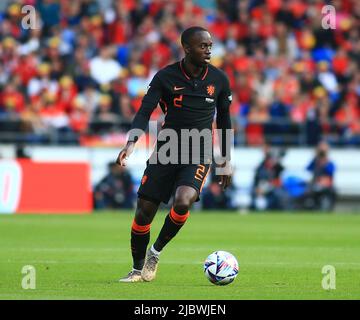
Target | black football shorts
(160,181)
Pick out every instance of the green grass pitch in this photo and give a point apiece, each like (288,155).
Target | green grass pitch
(280,256)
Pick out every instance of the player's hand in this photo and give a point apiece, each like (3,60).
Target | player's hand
(226,175)
(124,154)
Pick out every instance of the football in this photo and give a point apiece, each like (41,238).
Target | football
(221,268)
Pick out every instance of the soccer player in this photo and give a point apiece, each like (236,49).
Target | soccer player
(189,92)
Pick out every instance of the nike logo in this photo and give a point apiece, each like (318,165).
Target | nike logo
(178,88)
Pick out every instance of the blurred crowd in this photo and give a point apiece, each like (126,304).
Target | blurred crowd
(80,74)
(272,188)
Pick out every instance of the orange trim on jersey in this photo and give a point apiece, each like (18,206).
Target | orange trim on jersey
(207,173)
(140,229)
(178,218)
(206,72)
(183,71)
(165,105)
(188,77)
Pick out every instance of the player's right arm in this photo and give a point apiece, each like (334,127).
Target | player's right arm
(142,117)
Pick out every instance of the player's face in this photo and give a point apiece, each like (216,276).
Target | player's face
(199,48)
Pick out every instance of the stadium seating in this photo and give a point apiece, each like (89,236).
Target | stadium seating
(293,82)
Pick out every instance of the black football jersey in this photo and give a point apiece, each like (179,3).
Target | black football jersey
(188,103)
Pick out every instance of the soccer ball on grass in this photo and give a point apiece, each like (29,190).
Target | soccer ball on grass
(221,268)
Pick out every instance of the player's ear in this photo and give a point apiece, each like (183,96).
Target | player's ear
(186,48)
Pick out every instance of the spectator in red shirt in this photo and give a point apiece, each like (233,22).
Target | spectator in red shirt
(11,99)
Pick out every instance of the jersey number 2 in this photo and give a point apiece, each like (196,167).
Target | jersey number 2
(178,101)
(200,172)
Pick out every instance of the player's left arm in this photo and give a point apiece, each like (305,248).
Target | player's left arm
(223,123)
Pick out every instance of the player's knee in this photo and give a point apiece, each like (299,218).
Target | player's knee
(182,204)
(145,211)
(184,198)
(143,216)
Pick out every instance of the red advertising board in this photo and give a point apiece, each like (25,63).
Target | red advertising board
(44,187)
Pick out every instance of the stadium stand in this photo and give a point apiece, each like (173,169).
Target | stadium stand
(78,77)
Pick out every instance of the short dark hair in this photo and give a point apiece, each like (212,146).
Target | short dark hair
(189,32)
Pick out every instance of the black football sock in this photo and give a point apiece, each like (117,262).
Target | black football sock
(140,237)
(173,223)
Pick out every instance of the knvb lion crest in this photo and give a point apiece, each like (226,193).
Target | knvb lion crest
(210,89)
